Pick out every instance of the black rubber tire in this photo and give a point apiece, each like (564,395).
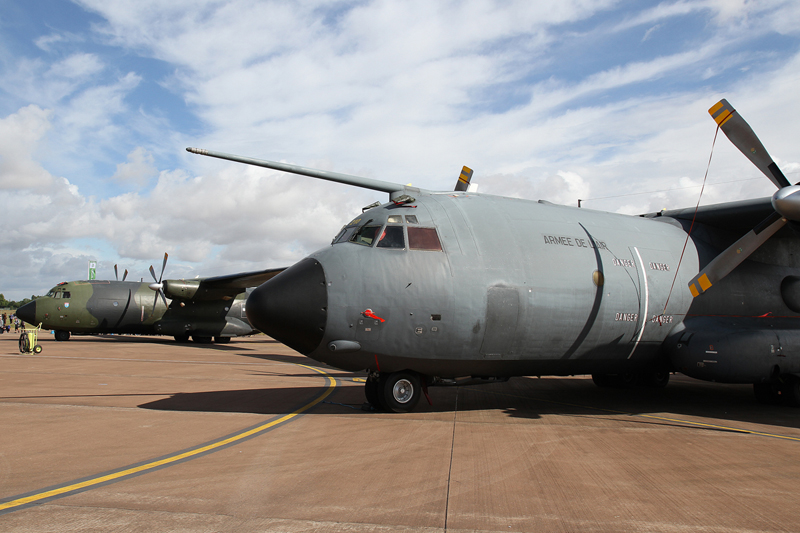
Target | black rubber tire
(182,338)
(400,391)
(655,379)
(767,393)
(790,392)
(24,343)
(37,348)
(62,335)
(604,380)
(371,391)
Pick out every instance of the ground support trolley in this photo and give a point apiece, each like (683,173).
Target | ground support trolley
(29,340)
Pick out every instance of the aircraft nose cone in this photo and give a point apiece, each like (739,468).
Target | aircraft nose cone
(27,313)
(292,307)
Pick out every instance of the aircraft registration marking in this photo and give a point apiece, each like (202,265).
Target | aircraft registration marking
(575,242)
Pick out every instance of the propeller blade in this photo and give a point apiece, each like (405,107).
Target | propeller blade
(744,138)
(463,180)
(724,263)
(125,275)
(163,266)
(164,298)
(116,275)
(158,286)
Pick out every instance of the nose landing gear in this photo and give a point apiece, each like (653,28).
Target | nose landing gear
(397,392)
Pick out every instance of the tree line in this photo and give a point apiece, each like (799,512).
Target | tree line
(11,304)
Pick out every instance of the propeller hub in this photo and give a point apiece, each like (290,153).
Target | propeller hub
(156,286)
(786,201)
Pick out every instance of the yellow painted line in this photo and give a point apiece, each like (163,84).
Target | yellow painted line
(677,420)
(716,426)
(59,491)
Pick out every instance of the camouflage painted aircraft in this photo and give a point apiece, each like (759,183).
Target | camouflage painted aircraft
(203,308)
(434,288)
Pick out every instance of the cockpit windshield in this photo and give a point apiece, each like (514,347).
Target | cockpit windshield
(394,235)
(58,294)
(365,235)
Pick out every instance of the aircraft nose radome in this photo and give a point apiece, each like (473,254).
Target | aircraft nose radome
(292,307)
(27,313)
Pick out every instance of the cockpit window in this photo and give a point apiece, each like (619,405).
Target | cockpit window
(411,219)
(365,235)
(423,239)
(392,237)
(66,294)
(51,294)
(395,219)
(344,235)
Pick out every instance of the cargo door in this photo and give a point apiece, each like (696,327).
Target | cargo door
(109,312)
(502,315)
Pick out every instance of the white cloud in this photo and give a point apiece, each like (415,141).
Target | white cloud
(19,134)
(38,82)
(405,92)
(138,170)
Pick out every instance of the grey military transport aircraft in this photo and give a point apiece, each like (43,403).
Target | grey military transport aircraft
(436,288)
(203,308)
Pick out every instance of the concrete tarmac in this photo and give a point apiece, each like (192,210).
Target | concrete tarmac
(123,433)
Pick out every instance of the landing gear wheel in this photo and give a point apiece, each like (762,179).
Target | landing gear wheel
(222,340)
(371,388)
(603,380)
(37,348)
(24,343)
(400,391)
(62,335)
(767,393)
(790,392)
(655,379)
(182,338)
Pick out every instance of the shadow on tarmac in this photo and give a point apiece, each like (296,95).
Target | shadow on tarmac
(166,340)
(528,398)
(254,401)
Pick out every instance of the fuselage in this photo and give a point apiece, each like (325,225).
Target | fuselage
(457,284)
(132,307)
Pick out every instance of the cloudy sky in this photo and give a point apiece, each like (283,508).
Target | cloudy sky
(594,99)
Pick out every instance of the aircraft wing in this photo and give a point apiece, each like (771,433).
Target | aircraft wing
(216,287)
(736,217)
(239,282)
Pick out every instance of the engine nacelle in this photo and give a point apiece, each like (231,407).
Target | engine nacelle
(732,350)
(181,288)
